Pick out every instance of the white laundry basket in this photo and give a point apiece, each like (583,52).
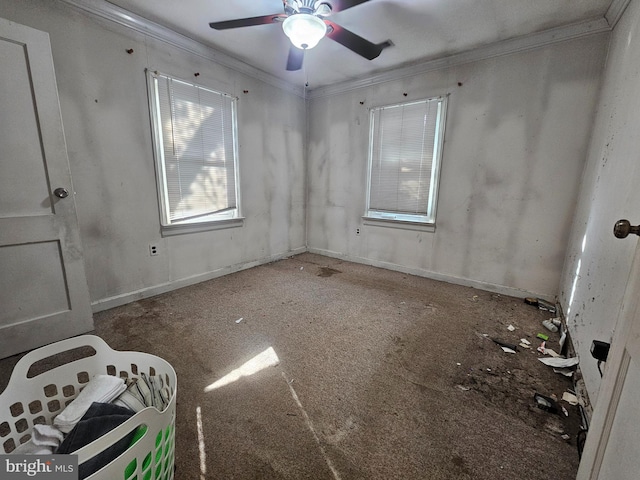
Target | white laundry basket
(28,401)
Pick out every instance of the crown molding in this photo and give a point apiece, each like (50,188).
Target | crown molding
(104,10)
(505,47)
(615,11)
(112,13)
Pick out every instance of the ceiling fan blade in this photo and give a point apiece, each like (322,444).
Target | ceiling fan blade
(247,22)
(296,56)
(339,5)
(354,42)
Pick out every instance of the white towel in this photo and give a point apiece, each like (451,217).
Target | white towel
(146,391)
(47,436)
(101,389)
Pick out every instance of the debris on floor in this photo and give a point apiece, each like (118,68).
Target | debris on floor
(560,362)
(512,379)
(239,320)
(524,343)
(504,345)
(563,339)
(544,305)
(545,403)
(541,304)
(570,398)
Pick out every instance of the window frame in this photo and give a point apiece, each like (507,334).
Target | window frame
(425,222)
(213,221)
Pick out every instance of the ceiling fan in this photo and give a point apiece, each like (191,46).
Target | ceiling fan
(305,23)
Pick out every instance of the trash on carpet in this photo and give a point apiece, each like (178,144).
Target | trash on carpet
(542,347)
(545,403)
(570,398)
(541,304)
(560,362)
(524,343)
(563,338)
(503,344)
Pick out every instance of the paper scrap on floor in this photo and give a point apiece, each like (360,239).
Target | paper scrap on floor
(560,362)
(570,398)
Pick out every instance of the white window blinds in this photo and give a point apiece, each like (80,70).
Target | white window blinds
(405,148)
(197,147)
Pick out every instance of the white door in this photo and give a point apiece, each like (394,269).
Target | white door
(43,289)
(612,447)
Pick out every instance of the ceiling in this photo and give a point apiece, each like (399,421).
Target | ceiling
(420,30)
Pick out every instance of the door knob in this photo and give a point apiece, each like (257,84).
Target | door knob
(61,192)
(622,228)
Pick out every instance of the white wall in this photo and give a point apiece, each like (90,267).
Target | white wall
(106,118)
(516,140)
(591,297)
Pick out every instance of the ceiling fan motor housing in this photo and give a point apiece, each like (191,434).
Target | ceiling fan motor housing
(311,7)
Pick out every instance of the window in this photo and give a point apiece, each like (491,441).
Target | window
(195,137)
(405,150)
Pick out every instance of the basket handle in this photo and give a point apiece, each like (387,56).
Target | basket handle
(21,369)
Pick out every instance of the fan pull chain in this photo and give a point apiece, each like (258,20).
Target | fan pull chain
(304,73)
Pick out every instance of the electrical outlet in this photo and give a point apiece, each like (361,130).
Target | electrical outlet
(357,231)
(153,249)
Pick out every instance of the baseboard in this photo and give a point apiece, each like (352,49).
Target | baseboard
(579,385)
(122,299)
(420,272)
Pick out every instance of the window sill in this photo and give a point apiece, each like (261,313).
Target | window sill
(402,224)
(180,229)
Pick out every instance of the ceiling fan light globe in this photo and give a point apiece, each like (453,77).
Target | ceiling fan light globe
(304,30)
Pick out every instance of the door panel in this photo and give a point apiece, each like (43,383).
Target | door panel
(43,288)
(34,270)
(20,138)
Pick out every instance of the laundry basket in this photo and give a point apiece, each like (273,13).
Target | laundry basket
(32,398)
